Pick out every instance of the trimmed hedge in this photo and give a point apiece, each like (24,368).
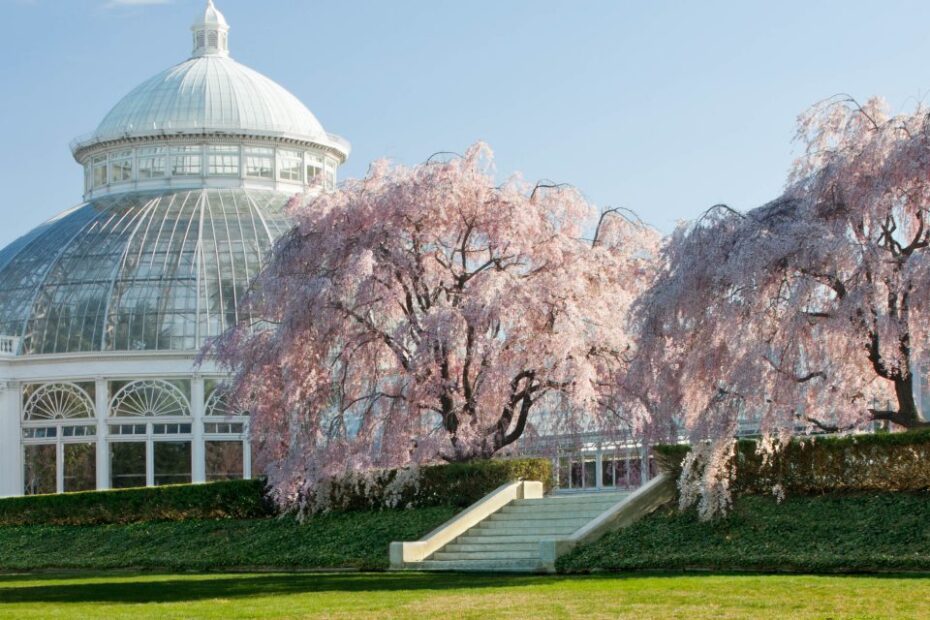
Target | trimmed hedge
(456,484)
(837,532)
(234,499)
(453,484)
(870,462)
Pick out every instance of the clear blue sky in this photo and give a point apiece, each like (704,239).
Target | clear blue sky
(666,108)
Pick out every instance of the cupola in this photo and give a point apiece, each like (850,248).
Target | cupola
(211,33)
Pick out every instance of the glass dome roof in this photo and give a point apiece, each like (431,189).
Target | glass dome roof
(137,271)
(210,93)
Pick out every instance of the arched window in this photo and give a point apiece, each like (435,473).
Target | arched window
(59,445)
(152,398)
(227,439)
(58,401)
(150,435)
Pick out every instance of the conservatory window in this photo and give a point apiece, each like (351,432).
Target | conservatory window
(186,161)
(224,428)
(127,465)
(172,462)
(259,163)
(79,471)
(224,460)
(224,161)
(314,166)
(289,165)
(100,171)
(153,162)
(121,167)
(330,179)
(40,470)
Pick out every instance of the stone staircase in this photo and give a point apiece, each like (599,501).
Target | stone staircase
(508,540)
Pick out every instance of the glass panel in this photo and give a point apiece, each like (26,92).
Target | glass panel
(40,433)
(120,170)
(172,462)
(289,165)
(186,161)
(577,480)
(39,469)
(590,473)
(153,162)
(607,478)
(634,467)
(224,460)
(564,470)
(224,161)
(259,162)
(127,465)
(100,173)
(80,467)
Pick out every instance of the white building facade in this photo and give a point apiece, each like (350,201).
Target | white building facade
(104,308)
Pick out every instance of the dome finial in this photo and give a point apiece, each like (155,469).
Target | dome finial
(211,33)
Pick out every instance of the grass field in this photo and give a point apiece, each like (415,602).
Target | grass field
(421,596)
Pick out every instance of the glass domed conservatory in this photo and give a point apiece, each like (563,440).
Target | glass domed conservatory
(104,307)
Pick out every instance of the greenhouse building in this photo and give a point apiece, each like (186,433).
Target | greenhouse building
(103,308)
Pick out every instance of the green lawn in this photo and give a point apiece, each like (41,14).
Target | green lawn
(421,596)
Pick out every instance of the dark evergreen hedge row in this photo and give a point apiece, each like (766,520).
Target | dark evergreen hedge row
(453,484)
(456,485)
(869,462)
(234,499)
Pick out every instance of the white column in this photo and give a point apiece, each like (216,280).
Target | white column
(11,440)
(199,467)
(599,468)
(644,464)
(247,472)
(101,408)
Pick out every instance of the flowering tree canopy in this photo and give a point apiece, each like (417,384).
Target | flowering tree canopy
(809,313)
(424,314)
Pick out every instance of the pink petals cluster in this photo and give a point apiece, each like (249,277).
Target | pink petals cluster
(807,314)
(427,313)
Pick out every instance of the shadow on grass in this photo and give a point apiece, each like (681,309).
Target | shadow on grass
(148,588)
(171,588)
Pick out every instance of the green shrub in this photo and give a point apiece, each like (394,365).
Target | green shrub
(870,462)
(836,532)
(454,484)
(336,540)
(235,499)
(457,485)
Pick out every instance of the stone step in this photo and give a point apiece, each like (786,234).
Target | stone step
(532,523)
(532,517)
(485,566)
(484,555)
(542,532)
(559,500)
(549,509)
(491,545)
(473,538)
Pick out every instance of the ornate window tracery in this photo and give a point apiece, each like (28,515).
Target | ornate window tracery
(58,401)
(149,398)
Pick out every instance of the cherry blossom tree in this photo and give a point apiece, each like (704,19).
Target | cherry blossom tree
(807,314)
(425,314)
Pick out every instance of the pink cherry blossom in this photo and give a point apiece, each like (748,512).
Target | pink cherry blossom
(806,314)
(427,314)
